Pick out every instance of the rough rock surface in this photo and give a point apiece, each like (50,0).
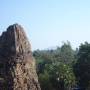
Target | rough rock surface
(17,65)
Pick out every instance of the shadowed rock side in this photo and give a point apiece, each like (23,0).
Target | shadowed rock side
(17,65)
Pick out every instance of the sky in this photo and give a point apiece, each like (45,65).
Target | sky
(48,23)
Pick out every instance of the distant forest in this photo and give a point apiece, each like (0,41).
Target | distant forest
(64,68)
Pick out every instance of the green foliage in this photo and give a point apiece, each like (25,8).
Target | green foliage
(82,66)
(57,76)
(44,80)
(61,75)
(67,54)
(64,54)
(54,67)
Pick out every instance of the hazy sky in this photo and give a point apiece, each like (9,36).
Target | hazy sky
(48,22)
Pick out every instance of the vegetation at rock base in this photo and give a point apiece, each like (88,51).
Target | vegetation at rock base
(64,68)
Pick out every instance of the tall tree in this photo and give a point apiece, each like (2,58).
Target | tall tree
(67,54)
(82,66)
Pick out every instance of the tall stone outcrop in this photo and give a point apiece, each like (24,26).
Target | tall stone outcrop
(17,65)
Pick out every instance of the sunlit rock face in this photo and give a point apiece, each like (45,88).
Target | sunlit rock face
(17,65)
